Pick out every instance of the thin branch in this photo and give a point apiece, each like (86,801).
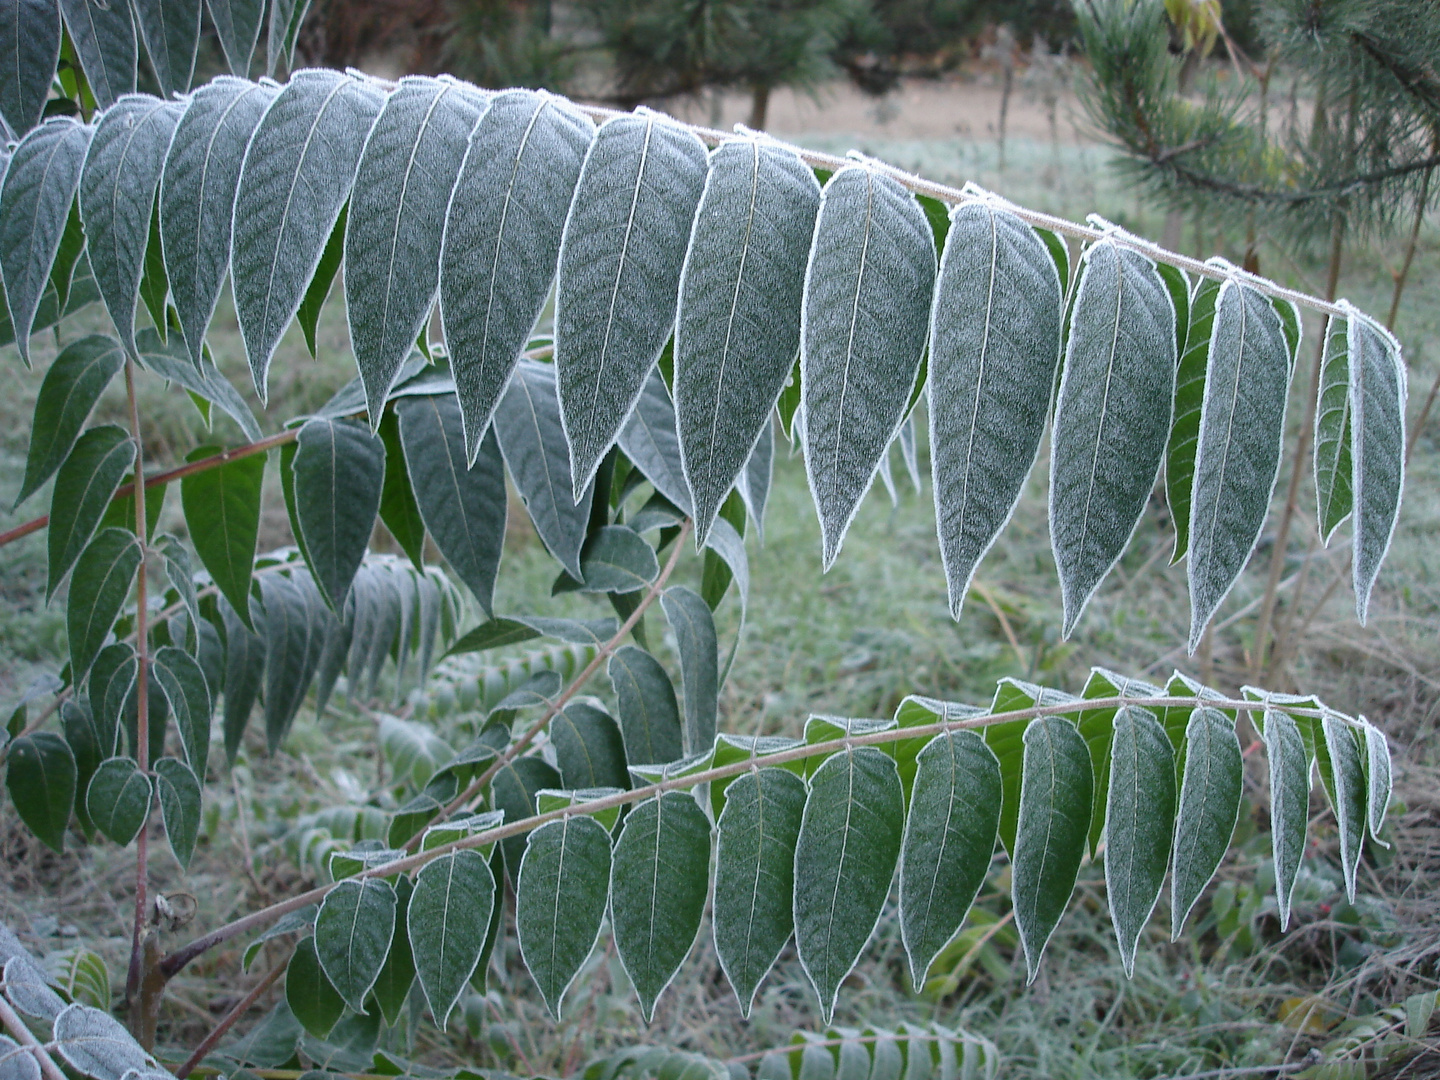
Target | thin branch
(228,1020)
(553,709)
(13,1024)
(178,959)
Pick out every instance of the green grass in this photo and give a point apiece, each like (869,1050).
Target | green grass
(853,642)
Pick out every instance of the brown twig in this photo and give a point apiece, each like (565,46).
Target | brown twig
(228,1020)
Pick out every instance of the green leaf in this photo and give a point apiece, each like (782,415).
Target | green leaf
(502,240)
(298,172)
(1237,457)
(514,789)
(315,1003)
(154,285)
(788,404)
(917,711)
(183,682)
(1007,741)
(179,792)
(949,838)
(410,162)
(1177,284)
(588,748)
(694,628)
(738,323)
(1096,727)
(1289,803)
(237,25)
(448,917)
(1333,466)
(112,677)
(30,45)
(464,509)
(118,799)
(1055,796)
(618,281)
(1209,809)
(1185,424)
(649,716)
(244,670)
(527,424)
(84,486)
(35,201)
(845,858)
(659,879)
(120,514)
(1349,795)
(617,560)
(318,291)
(1139,824)
(755,876)
(560,900)
(1377,409)
(398,509)
(339,470)
(294,635)
(352,936)
(88,747)
(104,40)
(206,385)
(222,513)
(117,198)
(865,320)
(493,633)
(98,592)
(73,383)
(197,193)
(1112,417)
(392,986)
(40,777)
(72,243)
(994,348)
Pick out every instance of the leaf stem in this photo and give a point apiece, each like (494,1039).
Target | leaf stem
(228,1020)
(12,1023)
(142,690)
(178,959)
(553,709)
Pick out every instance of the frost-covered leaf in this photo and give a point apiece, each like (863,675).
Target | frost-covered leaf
(294,614)
(464,509)
(738,326)
(650,441)
(753,483)
(994,347)
(73,383)
(589,748)
(1289,803)
(1139,824)
(397,215)
(1112,419)
(949,838)
(352,936)
(755,876)
(527,423)
(1007,740)
(502,241)
(516,787)
(619,275)
(17,1063)
(659,879)
(1237,456)
(315,1003)
(117,198)
(39,186)
(1054,818)
(617,560)
(29,50)
(98,591)
(1377,410)
(1208,810)
(95,1044)
(560,900)
(183,682)
(649,715)
(339,469)
(40,777)
(168,359)
(118,799)
(237,24)
(197,196)
(845,859)
(171,32)
(1377,777)
(179,792)
(222,514)
(695,641)
(84,485)
(1347,765)
(863,328)
(298,171)
(448,917)
(105,41)
(1333,434)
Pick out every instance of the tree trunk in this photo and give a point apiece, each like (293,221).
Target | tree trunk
(759,106)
